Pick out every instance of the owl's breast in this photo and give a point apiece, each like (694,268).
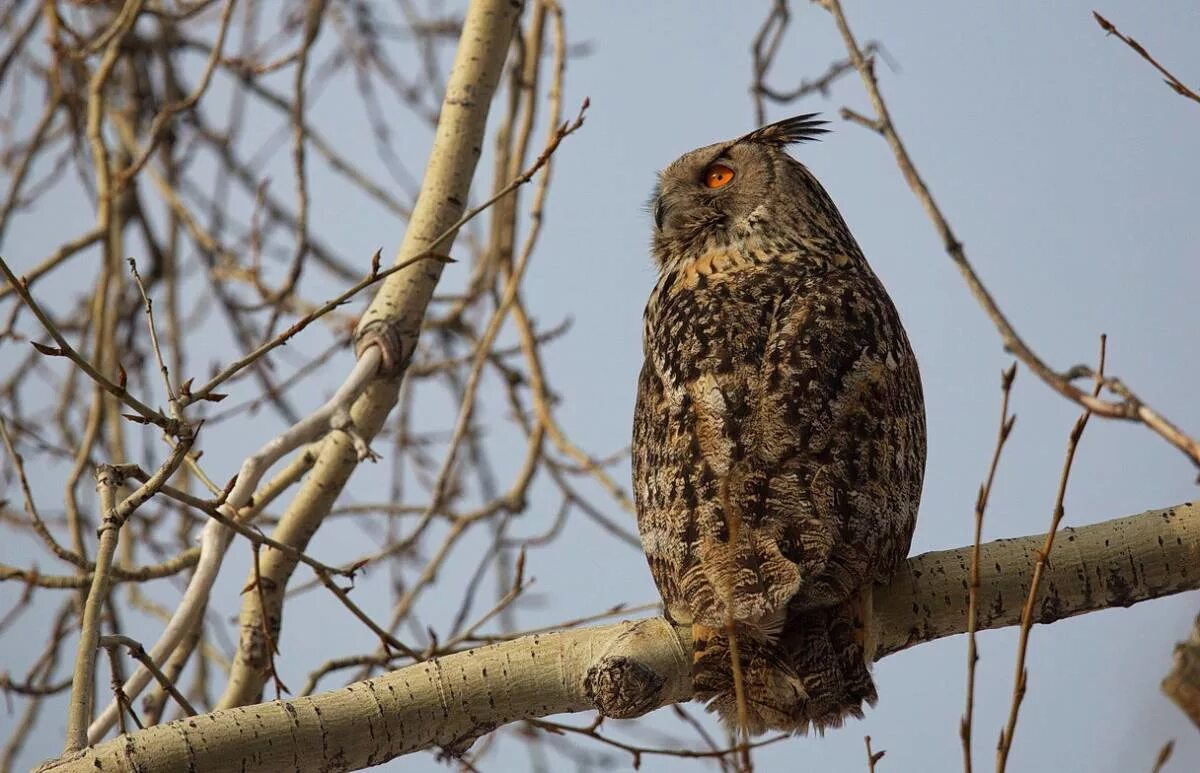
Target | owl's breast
(714,326)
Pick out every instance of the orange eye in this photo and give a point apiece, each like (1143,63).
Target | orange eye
(718,176)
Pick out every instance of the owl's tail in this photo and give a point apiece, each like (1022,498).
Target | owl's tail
(814,674)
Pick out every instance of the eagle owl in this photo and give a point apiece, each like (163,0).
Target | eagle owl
(779,434)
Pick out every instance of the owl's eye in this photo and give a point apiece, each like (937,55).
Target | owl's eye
(718,176)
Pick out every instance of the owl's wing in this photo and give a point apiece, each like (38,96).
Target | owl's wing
(838,432)
(688,448)
(660,494)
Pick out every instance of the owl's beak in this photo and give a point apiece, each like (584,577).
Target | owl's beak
(660,212)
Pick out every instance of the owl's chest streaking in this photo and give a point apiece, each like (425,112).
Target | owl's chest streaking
(702,320)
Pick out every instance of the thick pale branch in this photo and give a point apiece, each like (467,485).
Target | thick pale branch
(634,667)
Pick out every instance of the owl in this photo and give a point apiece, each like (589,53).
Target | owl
(779,433)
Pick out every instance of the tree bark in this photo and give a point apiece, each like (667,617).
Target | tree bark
(630,668)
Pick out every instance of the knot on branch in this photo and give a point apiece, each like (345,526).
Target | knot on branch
(385,334)
(621,687)
(646,665)
(344,422)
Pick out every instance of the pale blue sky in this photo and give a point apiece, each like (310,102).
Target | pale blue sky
(1070,173)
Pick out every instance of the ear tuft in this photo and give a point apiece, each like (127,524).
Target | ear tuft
(799,128)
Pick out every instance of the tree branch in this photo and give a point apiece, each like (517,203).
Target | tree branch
(631,668)
(1178,86)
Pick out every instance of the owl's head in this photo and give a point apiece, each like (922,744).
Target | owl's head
(746,192)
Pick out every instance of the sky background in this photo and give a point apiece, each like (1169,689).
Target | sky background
(1070,173)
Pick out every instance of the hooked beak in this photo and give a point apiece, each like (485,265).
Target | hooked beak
(660,212)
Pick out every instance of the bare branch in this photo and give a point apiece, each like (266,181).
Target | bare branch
(1041,560)
(981,502)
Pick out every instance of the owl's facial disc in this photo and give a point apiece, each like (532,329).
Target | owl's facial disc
(701,193)
(740,194)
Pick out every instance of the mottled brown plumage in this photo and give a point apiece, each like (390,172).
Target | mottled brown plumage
(779,434)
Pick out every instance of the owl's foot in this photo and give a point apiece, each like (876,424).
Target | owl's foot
(814,675)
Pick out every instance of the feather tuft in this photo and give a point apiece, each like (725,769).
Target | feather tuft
(799,128)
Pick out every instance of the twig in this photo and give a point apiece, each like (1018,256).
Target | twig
(162,119)
(314,11)
(35,518)
(139,653)
(388,640)
(618,610)
(873,758)
(162,365)
(1020,680)
(37,144)
(39,678)
(822,83)
(64,349)
(65,250)
(1164,756)
(213,510)
(1176,85)
(981,501)
(122,699)
(637,752)
(765,46)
